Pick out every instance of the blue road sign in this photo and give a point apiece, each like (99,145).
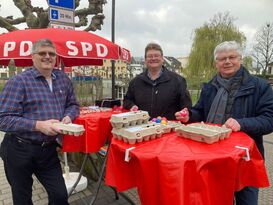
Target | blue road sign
(66,4)
(61,15)
(54,14)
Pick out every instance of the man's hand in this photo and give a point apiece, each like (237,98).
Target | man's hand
(66,120)
(134,108)
(233,124)
(183,115)
(47,127)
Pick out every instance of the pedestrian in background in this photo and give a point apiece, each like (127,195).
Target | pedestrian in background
(238,100)
(157,90)
(30,104)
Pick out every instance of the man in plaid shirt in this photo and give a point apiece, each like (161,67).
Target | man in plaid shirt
(30,104)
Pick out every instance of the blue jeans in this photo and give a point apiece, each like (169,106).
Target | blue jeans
(247,196)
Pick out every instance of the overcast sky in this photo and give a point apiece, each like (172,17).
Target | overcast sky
(169,22)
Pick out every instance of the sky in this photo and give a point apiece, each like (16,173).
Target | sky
(171,23)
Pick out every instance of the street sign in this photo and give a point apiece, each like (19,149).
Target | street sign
(65,4)
(61,26)
(61,15)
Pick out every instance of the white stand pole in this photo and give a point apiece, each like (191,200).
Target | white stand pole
(66,167)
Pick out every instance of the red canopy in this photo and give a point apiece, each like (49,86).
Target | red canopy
(73,47)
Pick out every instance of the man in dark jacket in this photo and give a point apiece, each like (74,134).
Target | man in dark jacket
(157,90)
(238,100)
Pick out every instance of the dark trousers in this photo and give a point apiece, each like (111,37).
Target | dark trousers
(247,196)
(22,160)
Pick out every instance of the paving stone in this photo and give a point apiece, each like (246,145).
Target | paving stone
(38,191)
(7,201)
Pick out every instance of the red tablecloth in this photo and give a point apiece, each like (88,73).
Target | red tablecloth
(177,171)
(97,130)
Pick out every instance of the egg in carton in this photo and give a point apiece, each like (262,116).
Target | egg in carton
(70,128)
(198,134)
(129,119)
(141,133)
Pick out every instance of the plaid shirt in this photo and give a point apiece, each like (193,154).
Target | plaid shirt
(27,98)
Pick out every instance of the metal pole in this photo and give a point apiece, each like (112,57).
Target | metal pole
(113,40)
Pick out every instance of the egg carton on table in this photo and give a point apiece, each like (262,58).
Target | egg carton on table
(170,126)
(127,119)
(223,130)
(70,128)
(203,133)
(144,132)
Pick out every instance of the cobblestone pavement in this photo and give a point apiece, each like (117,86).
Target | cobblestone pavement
(106,195)
(266,194)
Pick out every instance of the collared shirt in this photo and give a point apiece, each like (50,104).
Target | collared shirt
(159,74)
(27,98)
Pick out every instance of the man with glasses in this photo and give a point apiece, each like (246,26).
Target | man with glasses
(157,90)
(30,104)
(238,100)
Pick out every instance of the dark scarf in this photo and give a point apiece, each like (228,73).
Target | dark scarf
(221,106)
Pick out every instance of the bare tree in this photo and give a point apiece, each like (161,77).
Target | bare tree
(37,17)
(263,48)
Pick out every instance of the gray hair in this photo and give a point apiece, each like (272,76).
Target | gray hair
(41,43)
(227,46)
(153,46)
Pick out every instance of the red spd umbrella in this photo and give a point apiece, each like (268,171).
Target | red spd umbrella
(73,47)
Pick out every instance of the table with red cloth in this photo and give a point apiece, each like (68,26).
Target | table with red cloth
(178,171)
(97,130)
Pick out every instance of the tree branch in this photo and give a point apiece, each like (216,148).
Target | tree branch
(41,20)
(26,9)
(5,24)
(96,23)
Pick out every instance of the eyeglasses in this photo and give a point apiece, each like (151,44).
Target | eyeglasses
(150,56)
(44,54)
(224,59)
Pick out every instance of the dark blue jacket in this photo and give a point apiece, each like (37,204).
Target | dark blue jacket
(252,107)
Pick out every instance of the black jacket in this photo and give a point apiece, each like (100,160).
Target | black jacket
(162,97)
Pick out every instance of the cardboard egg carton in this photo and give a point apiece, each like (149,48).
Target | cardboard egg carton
(170,126)
(144,132)
(70,129)
(166,128)
(117,133)
(203,132)
(128,119)
(223,130)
